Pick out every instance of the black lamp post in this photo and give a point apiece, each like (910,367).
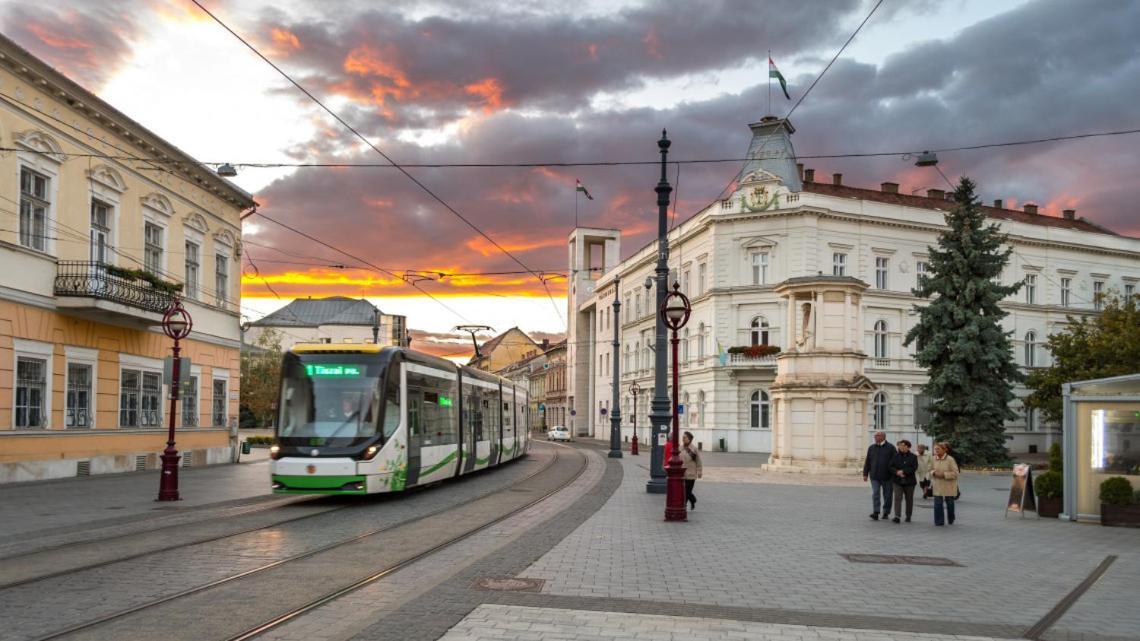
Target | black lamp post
(659,409)
(634,390)
(675,313)
(176,323)
(615,415)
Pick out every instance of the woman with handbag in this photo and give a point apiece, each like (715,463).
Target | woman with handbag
(945,473)
(925,463)
(692,460)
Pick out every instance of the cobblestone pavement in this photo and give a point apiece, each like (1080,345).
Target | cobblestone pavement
(776,549)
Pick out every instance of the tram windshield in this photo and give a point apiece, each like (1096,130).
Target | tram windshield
(339,400)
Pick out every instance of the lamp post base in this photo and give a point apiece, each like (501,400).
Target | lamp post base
(655,485)
(675,491)
(168,486)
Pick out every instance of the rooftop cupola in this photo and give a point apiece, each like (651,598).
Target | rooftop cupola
(771,150)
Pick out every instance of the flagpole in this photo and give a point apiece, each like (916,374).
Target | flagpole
(769,82)
(575,205)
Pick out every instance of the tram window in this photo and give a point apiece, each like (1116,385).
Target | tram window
(431,411)
(391,404)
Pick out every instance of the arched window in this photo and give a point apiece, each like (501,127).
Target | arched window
(880,339)
(759,331)
(1031,348)
(685,346)
(701,341)
(879,411)
(687,418)
(700,408)
(759,414)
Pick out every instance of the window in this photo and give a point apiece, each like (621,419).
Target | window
(700,413)
(1066,291)
(1032,420)
(688,417)
(78,414)
(637,307)
(759,268)
(628,309)
(685,283)
(221,279)
(33,209)
(152,248)
(881,339)
(188,395)
(1129,291)
(192,257)
(838,264)
(685,346)
(921,411)
(920,269)
(1098,295)
(1030,288)
(1031,348)
(881,264)
(701,341)
(759,415)
(100,231)
(140,399)
(219,402)
(759,331)
(702,275)
(879,412)
(31,392)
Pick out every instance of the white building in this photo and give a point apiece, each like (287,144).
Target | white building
(782,224)
(336,319)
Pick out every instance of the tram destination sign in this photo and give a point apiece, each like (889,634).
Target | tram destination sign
(332,371)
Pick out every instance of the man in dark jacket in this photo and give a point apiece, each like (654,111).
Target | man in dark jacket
(877,469)
(904,466)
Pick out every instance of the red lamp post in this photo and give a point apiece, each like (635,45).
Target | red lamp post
(675,313)
(176,324)
(634,390)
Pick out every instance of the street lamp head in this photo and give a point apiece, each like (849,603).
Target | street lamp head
(664,143)
(648,282)
(176,322)
(226,170)
(634,388)
(676,309)
(926,159)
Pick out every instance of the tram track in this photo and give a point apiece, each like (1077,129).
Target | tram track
(91,625)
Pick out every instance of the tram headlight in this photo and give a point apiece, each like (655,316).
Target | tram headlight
(370,453)
(274,452)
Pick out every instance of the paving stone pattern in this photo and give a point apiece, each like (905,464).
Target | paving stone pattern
(778,547)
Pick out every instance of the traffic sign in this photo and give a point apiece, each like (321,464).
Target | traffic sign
(680,409)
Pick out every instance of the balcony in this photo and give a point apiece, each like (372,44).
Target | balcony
(104,295)
(744,360)
(897,364)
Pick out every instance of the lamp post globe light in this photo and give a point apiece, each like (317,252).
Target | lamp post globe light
(176,323)
(675,313)
(634,390)
(659,409)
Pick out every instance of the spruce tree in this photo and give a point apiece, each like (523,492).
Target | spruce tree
(960,338)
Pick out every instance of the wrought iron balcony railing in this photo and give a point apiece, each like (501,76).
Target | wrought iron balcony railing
(93,280)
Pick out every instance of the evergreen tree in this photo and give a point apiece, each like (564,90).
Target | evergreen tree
(959,335)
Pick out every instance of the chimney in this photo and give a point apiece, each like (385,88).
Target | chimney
(809,175)
(545,344)
(936,193)
(889,188)
(1030,208)
(998,204)
(837,179)
(800,169)
(1069,214)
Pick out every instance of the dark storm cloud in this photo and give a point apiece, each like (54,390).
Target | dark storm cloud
(89,43)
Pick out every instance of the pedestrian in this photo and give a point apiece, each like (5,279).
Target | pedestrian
(904,467)
(693,469)
(945,473)
(925,460)
(877,469)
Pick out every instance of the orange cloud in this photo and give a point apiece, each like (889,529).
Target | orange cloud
(54,39)
(490,90)
(284,42)
(367,61)
(652,44)
(484,247)
(592,50)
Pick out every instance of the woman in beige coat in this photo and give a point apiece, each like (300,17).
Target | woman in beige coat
(925,467)
(692,460)
(945,473)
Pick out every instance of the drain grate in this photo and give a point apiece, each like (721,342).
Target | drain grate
(895,559)
(509,584)
(140,463)
(83,468)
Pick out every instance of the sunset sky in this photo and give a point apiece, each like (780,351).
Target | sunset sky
(528,81)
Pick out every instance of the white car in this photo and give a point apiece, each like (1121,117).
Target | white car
(558,433)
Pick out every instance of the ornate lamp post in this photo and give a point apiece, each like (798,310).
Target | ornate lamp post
(615,415)
(176,323)
(675,313)
(634,390)
(659,410)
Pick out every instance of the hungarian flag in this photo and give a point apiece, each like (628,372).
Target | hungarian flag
(773,72)
(582,188)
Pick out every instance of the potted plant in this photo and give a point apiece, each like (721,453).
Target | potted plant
(1117,503)
(1049,493)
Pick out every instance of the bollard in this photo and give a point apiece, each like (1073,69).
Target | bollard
(723,445)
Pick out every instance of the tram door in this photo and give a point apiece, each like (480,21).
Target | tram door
(414,421)
(472,425)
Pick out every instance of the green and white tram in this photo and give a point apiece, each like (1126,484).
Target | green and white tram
(362,419)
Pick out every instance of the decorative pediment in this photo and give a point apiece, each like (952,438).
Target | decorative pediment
(196,221)
(159,203)
(226,237)
(36,140)
(107,177)
(758,242)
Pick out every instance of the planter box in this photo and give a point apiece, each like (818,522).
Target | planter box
(1049,508)
(1120,515)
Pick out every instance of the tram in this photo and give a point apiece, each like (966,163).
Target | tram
(364,419)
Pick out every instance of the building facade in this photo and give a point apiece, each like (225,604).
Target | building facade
(336,319)
(556,411)
(94,248)
(504,350)
(781,224)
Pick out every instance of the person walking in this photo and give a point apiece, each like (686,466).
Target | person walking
(904,467)
(877,469)
(925,461)
(693,470)
(945,473)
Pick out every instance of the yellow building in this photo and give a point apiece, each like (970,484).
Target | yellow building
(98,217)
(506,348)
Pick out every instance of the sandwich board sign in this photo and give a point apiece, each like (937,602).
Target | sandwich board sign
(1021,496)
